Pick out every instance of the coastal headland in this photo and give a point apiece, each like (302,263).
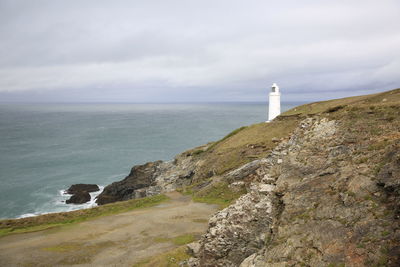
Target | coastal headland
(317,186)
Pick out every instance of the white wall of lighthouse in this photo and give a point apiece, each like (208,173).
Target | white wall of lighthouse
(274,108)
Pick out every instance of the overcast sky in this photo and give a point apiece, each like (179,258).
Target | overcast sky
(203,50)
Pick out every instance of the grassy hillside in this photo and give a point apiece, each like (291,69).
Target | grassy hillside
(336,193)
(363,114)
(256,141)
(244,145)
(385,98)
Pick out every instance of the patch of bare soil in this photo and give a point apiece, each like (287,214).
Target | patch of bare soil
(116,240)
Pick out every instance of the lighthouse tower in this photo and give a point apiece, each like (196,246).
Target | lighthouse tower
(274,102)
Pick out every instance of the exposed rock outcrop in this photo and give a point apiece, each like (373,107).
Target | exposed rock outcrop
(75,188)
(80,193)
(79,197)
(151,179)
(389,180)
(312,202)
(140,176)
(238,230)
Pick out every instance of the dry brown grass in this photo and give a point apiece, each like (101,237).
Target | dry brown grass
(243,146)
(384,98)
(256,141)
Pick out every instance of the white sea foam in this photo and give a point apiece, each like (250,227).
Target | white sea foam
(27,215)
(58,204)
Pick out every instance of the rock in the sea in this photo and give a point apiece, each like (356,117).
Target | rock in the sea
(79,198)
(80,193)
(75,188)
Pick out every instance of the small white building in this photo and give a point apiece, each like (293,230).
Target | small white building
(274,102)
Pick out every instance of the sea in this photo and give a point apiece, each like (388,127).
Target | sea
(45,148)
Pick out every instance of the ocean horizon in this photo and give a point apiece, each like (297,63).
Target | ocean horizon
(46,147)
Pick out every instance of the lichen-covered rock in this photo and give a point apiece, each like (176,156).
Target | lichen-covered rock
(389,174)
(246,170)
(150,179)
(193,248)
(315,200)
(239,230)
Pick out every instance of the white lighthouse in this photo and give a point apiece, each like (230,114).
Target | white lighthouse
(274,102)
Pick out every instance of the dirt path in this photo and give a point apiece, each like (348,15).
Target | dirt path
(117,240)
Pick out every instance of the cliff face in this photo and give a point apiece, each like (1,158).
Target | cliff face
(328,196)
(150,179)
(321,183)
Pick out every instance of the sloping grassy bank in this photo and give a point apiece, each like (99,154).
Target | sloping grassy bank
(252,142)
(216,193)
(46,221)
(241,146)
(256,141)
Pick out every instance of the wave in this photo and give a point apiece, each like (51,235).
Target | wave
(58,204)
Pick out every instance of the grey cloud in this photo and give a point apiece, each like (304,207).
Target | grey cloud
(223,50)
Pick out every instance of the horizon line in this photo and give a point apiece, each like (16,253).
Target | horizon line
(178,102)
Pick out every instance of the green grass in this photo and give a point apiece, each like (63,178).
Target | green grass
(242,146)
(63,248)
(392,96)
(36,228)
(177,240)
(189,190)
(336,265)
(73,253)
(52,220)
(183,239)
(168,259)
(200,220)
(226,137)
(385,233)
(219,194)
(197,152)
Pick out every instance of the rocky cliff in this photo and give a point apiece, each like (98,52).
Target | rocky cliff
(320,186)
(151,179)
